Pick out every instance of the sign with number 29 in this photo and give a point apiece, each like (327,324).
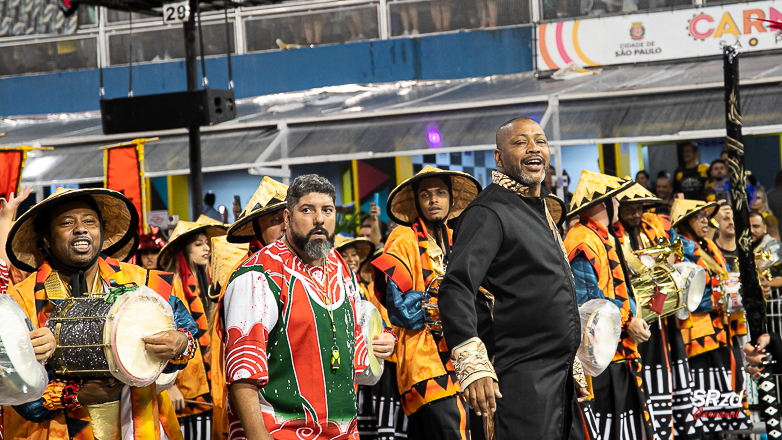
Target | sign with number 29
(176,12)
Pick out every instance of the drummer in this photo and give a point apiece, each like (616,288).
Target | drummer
(72,242)
(415,253)
(710,333)
(187,255)
(663,355)
(260,223)
(620,392)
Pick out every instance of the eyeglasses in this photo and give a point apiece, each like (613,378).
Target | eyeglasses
(701,216)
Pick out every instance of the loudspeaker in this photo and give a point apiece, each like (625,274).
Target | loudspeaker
(167,110)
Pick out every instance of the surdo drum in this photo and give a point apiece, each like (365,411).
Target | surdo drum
(103,337)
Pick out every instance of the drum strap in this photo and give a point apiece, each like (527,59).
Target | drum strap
(712,264)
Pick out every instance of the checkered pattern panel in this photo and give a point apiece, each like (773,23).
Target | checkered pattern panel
(479,164)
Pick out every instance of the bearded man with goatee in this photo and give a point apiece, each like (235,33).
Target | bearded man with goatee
(507,243)
(294,344)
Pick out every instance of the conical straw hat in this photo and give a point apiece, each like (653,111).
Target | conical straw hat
(364,247)
(636,193)
(684,208)
(267,199)
(225,257)
(185,230)
(594,188)
(556,207)
(401,205)
(120,226)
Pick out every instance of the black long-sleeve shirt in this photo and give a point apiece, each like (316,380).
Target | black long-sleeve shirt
(503,242)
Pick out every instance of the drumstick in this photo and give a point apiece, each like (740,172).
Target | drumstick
(195,402)
(488,427)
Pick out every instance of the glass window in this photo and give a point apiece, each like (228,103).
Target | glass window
(165,44)
(312,27)
(561,9)
(413,17)
(29,17)
(48,57)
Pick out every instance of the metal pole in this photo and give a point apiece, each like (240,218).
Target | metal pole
(195,179)
(752,293)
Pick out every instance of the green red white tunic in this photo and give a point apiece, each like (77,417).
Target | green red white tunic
(279,334)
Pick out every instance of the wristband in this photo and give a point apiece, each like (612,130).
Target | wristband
(70,396)
(189,352)
(391,332)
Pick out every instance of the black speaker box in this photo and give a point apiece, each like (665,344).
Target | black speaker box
(167,110)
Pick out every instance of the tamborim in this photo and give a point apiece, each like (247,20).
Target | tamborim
(371,325)
(694,278)
(99,338)
(601,323)
(659,292)
(22,378)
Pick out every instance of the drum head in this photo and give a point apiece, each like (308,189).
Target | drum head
(135,315)
(601,324)
(601,340)
(695,279)
(371,325)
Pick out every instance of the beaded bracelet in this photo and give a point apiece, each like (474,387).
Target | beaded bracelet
(70,396)
(391,332)
(52,397)
(189,352)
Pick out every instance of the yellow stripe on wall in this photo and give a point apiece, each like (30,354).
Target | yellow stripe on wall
(178,196)
(600,158)
(404,168)
(354,165)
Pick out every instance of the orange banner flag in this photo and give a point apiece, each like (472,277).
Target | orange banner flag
(124,172)
(11,164)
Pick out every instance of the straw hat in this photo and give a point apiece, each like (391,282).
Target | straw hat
(364,247)
(636,193)
(684,208)
(594,188)
(401,205)
(120,226)
(268,198)
(225,257)
(185,230)
(556,207)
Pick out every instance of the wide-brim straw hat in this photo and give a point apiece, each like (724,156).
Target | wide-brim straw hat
(401,205)
(636,193)
(595,188)
(683,209)
(364,247)
(225,257)
(183,231)
(120,226)
(267,199)
(556,207)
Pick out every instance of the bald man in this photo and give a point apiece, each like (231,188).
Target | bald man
(507,242)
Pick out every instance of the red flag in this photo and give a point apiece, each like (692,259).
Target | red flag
(123,173)
(11,164)
(658,300)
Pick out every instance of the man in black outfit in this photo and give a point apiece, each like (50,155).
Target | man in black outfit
(507,242)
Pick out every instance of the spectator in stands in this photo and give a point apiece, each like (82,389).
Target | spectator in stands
(642,178)
(313,28)
(664,190)
(691,179)
(441,14)
(487,11)
(724,156)
(760,205)
(762,241)
(718,181)
(372,228)
(209,207)
(774,197)
(408,12)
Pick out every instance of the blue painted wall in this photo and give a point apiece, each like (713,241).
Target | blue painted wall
(458,55)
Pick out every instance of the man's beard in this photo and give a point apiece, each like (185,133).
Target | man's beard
(529,180)
(314,249)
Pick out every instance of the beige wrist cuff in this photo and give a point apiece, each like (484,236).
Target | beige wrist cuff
(471,362)
(578,373)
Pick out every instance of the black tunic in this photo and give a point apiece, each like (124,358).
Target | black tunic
(503,243)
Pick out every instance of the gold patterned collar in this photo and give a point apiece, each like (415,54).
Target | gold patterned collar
(509,183)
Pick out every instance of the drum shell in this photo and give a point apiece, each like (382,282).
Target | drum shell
(669,281)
